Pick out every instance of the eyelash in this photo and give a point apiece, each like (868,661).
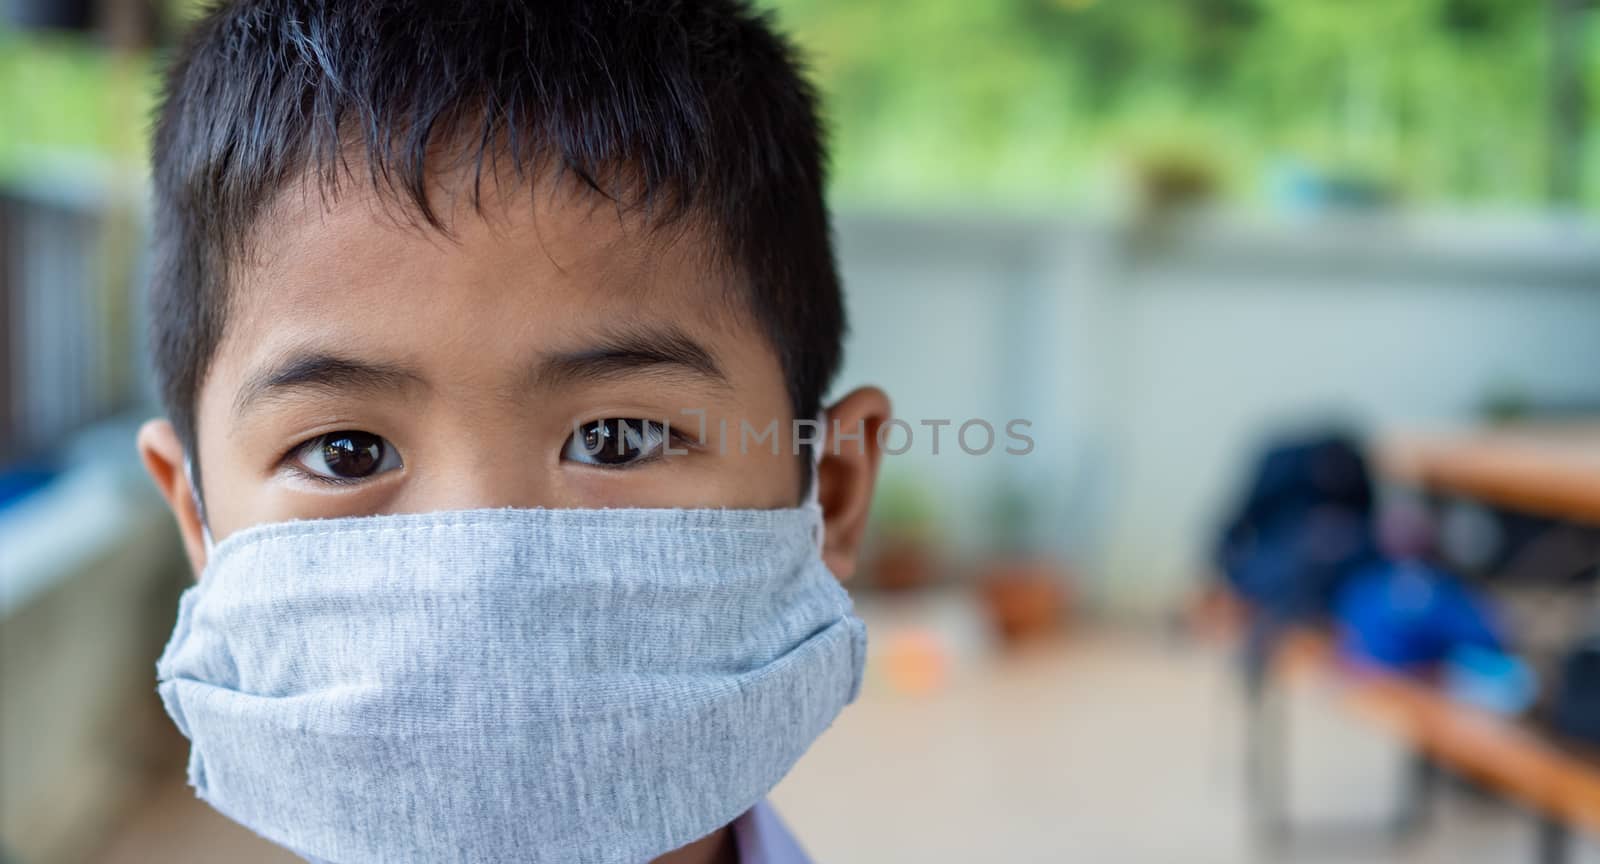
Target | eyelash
(327,481)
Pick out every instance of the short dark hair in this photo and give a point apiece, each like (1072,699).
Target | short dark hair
(678,107)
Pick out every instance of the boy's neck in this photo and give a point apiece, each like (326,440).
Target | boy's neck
(715,848)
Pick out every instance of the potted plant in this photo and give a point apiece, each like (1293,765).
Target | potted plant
(904,556)
(1025,592)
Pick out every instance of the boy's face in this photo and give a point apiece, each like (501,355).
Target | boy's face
(528,360)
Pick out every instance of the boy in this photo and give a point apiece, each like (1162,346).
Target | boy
(483,331)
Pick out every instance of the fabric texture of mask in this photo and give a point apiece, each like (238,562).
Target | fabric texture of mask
(587,686)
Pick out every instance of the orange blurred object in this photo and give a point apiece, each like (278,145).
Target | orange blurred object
(1026,598)
(916,661)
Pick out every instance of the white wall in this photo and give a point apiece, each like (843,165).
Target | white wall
(1152,365)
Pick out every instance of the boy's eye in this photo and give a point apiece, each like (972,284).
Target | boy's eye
(615,442)
(346,455)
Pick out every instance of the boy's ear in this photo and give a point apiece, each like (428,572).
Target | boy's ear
(847,474)
(162,455)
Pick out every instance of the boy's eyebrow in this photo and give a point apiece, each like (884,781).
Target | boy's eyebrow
(624,352)
(323,371)
(614,355)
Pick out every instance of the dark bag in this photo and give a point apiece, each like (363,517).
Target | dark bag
(1576,708)
(1303,528)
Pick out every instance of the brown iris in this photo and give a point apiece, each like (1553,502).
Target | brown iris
(352,454)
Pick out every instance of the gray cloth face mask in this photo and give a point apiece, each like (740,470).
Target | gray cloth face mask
(508,684)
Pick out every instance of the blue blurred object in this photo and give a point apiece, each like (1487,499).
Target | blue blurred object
(1404,614)
(1296,187)
(1490,679)
(21,480)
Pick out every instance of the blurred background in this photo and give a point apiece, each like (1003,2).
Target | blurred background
(1299,298)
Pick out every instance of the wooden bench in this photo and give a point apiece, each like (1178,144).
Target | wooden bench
(1548,470)
(1551,471)
(1516,761)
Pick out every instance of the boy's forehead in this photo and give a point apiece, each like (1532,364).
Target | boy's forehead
(537,265)
(567,225)
(546,236)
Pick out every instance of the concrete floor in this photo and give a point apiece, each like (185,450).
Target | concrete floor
(1105,747)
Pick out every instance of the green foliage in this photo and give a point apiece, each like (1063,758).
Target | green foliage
(69,104)
(1036,103)
(903,505)
(1027,101)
